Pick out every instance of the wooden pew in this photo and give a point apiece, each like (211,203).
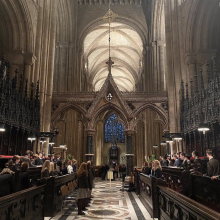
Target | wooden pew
(52,195)
(206,191)
(176,206)
(148,193)
(25,204)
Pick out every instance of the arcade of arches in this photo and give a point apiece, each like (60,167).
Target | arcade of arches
(154,44)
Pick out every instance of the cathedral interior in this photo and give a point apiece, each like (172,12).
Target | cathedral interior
(113,81)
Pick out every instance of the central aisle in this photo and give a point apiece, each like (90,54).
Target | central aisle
(108,203)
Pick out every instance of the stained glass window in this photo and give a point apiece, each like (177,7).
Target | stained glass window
(114,130)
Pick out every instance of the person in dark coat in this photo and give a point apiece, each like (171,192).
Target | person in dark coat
(163,162)
(6,182)
(90,180)
(102,170)
(24,179)
(83,188)
(157,169)
(38,161)
(45,172)
(74,166)
(212,165)
(15,165)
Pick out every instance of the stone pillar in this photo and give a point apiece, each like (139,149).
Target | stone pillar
(129,151)
(89,145)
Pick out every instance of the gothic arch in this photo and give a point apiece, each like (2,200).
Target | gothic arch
(61,110)
(16,23)
(158,110)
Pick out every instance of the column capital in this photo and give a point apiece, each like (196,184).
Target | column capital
(90,132)
(129,132)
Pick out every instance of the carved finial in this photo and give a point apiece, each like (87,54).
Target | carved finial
(208,71)
(214,66)
(191,87)
(196,84)
(32,91)
(182,90)
(187,92)
(37,90)
(21,83)
(202,81)
(26,88)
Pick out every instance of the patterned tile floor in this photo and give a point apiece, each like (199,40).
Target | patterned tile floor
(108,203)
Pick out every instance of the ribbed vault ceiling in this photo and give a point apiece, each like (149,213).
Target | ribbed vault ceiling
(126,52)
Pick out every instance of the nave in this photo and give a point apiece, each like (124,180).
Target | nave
(108,203)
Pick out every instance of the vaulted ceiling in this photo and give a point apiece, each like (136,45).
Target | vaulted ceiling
(126,53)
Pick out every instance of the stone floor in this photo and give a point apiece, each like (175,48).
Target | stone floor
(108,203)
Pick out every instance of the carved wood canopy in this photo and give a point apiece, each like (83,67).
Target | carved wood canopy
(127,105)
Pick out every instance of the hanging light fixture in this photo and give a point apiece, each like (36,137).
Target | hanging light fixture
(51,142)
(169,140)
(2,127)
(163,143)
(155,146)
(43,140)
(32,137)
(203,127)
(177,137)
(62,145)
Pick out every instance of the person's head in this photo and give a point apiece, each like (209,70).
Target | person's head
(69,163)
(150,164)
(157,165)
(146,164)
(74,160)
(209,153)
(40,155)
(175,157)
(51,166)
(46,165)
(16,159)
(35,156)
(52,157)
(82,169)
(182,156)
(28,153)
(195,154)
(24,166)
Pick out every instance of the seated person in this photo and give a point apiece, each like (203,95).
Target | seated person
(163,162)
(15,165)
(69,167)
(24,179)
(45,172)
(212,165)
(6,181)
(157,169)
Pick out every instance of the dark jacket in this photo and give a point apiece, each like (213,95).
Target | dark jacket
(93,173)
(24,180)
(164,163)
(90,179)
(178,162)
(45,173)
(39,162)
(213,167)
(157,173)
(6,184)
(82,181)
(147,170)
(74,168)
(14,166)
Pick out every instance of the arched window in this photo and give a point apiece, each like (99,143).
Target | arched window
(114,130)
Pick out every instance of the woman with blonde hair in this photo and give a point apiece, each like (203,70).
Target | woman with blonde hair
(157,169)
(45,172)
(83,188)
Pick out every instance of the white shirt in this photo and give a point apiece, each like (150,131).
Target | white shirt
(70,169)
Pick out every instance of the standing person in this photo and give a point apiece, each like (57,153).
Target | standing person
(52,158)
(83,188)
(69,167)
(74,166)
(45,172)
(37,160)
(41,158)
(212,165)
(157,169)
(24,179)
(90,180)
(52,171)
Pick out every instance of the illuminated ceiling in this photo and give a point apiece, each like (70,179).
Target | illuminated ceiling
(126,53)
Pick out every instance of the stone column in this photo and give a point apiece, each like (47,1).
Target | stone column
(129,151)
(89,145)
